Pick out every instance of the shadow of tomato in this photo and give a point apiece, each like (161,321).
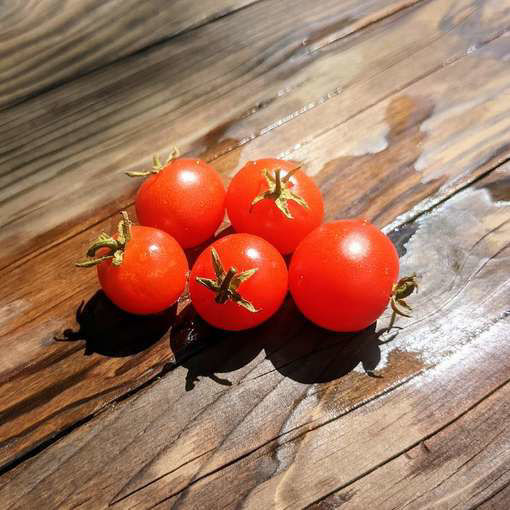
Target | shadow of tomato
(109,331)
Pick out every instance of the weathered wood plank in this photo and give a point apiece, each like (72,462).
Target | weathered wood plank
(277,437)
(497,500)
(64,152)
(41,294)
(45,43)
(462,466)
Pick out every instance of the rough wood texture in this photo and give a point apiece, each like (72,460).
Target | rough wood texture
(424,131)
(262,431)
(400,110)
(463,465)
(44,43)
(273,87)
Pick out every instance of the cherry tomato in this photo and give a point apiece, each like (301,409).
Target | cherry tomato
(185,198)
(141,269)
(238,282)
(275,200)
(342,275)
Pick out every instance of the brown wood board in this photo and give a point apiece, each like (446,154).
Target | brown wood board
(47,43)
(399,109)
(288,413)
(41,294)
(305,74)
(465,464)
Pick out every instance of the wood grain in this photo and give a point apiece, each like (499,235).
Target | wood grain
(497,500)
(40,295)
(303,75)
(45,43)
(462,466)
(395,107)
(258,429)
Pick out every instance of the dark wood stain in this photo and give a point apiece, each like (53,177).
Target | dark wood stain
(348,392)
(499,189)
(389,173)
(333,502)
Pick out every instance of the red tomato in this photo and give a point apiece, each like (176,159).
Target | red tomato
(238,282)
(342,275)
(264,200)
(185,198)
(141,269)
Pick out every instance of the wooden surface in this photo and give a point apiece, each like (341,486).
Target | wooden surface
(401,112)
(48,42)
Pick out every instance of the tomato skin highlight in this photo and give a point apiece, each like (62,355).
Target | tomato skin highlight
(264,218)
(186,199)
(152,274)
(265,289)
(342,274)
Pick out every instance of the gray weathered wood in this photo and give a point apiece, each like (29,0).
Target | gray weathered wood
(44,43)
(461,466)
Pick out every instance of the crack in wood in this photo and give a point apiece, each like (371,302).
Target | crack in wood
(493,495)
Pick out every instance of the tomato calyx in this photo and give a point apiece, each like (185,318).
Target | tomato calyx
(157,165)
(116,246)
(279,191)
(227,283)
(401,290)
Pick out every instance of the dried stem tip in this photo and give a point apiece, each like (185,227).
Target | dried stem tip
(401,290)
(227,283)
(157,165)
(116,246)
(279,191)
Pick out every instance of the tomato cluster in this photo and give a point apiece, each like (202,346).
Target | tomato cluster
(342,274)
